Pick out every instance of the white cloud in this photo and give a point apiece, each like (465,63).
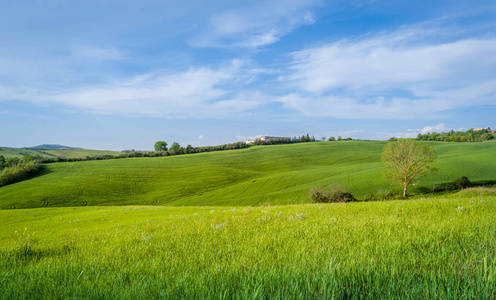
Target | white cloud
(260,23)
(201,137)
(441,127)
(391,76)
(412,133)
(259,40)
(195,93)
(248,138)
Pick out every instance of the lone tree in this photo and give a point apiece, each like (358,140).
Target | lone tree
(160,146)
(406,161)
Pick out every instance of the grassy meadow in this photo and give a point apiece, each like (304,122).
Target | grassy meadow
(278,174)
(442,248)
(215,225)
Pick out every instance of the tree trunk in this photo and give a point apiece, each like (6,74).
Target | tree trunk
(404,191)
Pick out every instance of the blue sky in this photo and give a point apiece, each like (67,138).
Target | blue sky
(123,74)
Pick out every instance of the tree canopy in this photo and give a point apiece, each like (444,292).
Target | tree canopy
(160,146)
(406,161)
(471,135)
(175,149)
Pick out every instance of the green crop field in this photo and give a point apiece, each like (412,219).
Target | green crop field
(212,225)
(9,152)
(278,174)
(77,153)
(66,153)
(437,248)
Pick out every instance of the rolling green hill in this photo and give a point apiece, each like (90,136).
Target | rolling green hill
(14,152)
(278,174)
(76,153)
(66,153)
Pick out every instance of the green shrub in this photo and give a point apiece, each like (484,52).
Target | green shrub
(18,172)
(460,184)
(319,195)
(336,194)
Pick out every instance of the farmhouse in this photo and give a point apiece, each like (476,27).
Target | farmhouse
(488,130)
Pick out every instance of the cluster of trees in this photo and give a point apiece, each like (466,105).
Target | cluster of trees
(15,169)
(332,139)
(470,135)
(301,139)
(46,160)
(176,149)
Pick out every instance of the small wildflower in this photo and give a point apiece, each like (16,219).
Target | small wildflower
(264,218)
(219,226)
(298,216)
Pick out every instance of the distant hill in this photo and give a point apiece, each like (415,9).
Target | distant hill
(55,151)
(51,147)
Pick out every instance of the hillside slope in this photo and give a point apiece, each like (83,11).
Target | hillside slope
(277,174)
(66,153)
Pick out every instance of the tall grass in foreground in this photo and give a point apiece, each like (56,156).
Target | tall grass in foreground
(434,248)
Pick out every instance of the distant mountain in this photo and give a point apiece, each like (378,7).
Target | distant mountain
(51,147)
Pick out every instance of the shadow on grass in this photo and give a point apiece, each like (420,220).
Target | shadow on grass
(34,254)
(456,185)
(43,170)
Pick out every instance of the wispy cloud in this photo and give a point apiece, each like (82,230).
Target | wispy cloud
(195,93)
(401,74)
(258,24)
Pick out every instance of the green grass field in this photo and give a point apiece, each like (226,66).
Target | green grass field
(233,238)
(66,153)
(77,153)
(437,248)
(8,152)
(278,174)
